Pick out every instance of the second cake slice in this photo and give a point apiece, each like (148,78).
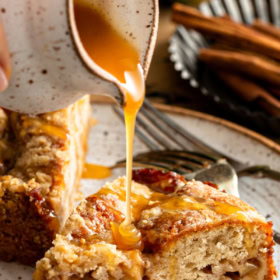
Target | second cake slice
(41,160)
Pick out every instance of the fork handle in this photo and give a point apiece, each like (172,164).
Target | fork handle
(260,172)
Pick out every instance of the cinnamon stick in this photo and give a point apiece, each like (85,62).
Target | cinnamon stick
(250,91)
(268,108)
(248,64)
(274,91)
(266,28)
(226,30)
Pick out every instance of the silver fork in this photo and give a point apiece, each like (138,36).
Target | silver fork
(159,132)
(170,150)
(191,165)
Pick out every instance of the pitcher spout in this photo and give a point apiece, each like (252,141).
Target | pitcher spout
(113,39)
(51,68)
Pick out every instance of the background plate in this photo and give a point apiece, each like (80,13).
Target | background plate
(184,46)
(107,145)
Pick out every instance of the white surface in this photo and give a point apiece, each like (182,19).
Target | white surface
(107,145)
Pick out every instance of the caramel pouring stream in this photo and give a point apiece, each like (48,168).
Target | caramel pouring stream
(119,58)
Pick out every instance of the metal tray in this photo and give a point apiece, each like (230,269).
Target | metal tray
(184,46)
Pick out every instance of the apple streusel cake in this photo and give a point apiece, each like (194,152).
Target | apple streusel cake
(41,160)
(190,231)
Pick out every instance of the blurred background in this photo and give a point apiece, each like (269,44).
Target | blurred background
(165,84)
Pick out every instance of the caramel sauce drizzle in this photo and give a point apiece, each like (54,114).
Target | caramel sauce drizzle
(142,198)
(37,126)
(118,57)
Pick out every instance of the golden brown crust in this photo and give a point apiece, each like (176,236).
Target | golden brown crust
(270,263)
(27,224)
(160,228)
(42,173)
(96,216)
(186,209)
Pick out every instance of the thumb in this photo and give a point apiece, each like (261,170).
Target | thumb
(5,62)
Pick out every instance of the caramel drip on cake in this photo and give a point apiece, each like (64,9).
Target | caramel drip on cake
(143,198)
(37,126)
(114,54)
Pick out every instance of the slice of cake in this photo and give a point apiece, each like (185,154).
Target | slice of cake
(190,231)
(41,160)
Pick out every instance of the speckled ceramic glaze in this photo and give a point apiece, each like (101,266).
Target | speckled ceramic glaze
(106,146)
(50,66)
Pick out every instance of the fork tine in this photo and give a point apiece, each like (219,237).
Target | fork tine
(122,163)
(193,139)
(184,161)
(151,132)
(158,124)
(170,160)
(182,156)
(164,130)
(202,146)
(166,166)
(154,165)
(195,156)
(140,134)
(157,118)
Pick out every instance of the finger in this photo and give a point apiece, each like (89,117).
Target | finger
(5,61)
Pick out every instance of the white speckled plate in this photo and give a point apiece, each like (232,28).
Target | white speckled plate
(107,145)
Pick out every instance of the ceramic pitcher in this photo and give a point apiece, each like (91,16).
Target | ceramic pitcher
(50,67)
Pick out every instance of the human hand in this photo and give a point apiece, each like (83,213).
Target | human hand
(5,62)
